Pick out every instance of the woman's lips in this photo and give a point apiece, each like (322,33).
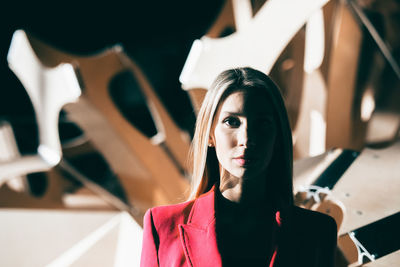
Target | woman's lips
(242,161)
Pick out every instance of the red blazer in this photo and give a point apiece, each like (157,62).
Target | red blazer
(184,235)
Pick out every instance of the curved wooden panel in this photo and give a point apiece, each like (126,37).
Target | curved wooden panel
(145,166)
(259,46)
(370,187)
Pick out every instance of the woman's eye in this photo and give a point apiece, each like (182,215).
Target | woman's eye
(232,122)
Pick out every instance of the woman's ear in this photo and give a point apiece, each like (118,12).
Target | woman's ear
(211,142)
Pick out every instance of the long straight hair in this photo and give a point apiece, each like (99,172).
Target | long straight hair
(205,166)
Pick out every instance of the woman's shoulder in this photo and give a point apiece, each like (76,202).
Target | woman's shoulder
(313,220)
(169,214)
(309,239)
(171,210)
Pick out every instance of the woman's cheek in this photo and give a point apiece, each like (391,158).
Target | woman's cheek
(225,141)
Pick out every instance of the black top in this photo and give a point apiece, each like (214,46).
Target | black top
(306,238)
(243,242)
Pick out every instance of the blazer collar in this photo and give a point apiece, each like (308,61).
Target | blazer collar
(203,210)
(198,235)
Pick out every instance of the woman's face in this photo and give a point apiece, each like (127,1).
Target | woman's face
(243,133)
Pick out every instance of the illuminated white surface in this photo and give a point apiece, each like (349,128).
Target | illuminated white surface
(68,238)
(258,46)
(49,90)
(317,133)
(315,42)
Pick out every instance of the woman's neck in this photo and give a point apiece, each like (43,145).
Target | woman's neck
(231,189)
(248,192)
(232,205)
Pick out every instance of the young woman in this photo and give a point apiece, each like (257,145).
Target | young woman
(240,211)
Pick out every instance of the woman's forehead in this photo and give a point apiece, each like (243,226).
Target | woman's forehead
(247,101)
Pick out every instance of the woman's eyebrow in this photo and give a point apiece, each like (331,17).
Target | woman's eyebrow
(260,115)
(232,113)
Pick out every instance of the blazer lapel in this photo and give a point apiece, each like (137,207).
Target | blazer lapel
(198,235)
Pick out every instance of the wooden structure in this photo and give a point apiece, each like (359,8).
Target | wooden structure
(367,192)
(150,170)
(305,56)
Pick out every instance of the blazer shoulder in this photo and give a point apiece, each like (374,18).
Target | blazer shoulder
(170,214)
(309,239)
(313,219)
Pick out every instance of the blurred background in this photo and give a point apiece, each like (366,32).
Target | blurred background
(74,192)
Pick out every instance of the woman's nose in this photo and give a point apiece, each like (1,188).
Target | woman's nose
(243,136)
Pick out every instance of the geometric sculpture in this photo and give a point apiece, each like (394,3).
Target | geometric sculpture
(49,90)
(258,45)
(149,169)
(330,82)
(15,190)
(8,152)
(258,42)
(344,127)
